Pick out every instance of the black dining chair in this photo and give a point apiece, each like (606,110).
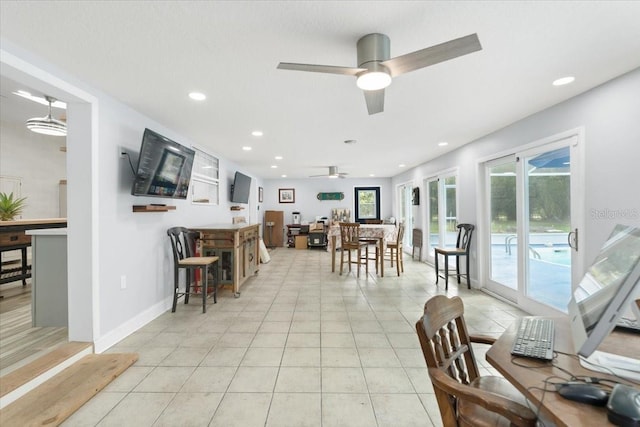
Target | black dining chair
(183,244)
(463,243)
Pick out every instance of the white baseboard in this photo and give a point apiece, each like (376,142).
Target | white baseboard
(121,332)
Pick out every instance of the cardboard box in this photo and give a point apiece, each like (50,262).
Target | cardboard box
(301,242)
(316,226)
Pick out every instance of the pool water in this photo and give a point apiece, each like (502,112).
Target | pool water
(554,254)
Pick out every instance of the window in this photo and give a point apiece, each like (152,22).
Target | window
(205,179)
(367,200)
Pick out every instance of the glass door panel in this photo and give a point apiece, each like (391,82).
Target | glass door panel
(433,218)
(450,209)
(548,214)
(503,268)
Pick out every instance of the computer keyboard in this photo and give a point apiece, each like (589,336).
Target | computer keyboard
(534,338)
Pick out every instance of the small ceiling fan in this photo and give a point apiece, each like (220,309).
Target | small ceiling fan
(375,68)
(333,173)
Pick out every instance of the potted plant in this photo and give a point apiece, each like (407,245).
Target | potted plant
(10,207)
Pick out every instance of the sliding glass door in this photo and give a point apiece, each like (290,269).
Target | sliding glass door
(532,239)
(442,214)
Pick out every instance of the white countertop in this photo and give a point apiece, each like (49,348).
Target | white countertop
(47,232)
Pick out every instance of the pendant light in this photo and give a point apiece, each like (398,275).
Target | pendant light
(47,125)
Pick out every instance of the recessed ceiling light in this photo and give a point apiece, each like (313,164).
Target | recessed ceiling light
(278,157)
(443,144)
(401,165)
(197,96)
(564,81)
(274,166)
(257,133)
(283,176)
(246,148)
(371,174)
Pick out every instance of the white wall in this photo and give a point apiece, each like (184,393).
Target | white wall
(610,116)
(307,203)
(37,160)
(107,240)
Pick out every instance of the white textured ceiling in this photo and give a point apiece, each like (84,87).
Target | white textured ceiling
(149,55)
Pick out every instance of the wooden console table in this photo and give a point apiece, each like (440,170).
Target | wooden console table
(13,237)
(236,246)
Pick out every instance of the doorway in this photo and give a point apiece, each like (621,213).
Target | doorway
(532,223)
(441,210)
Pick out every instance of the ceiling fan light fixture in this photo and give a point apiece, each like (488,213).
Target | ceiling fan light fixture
(47,125)
(373,80)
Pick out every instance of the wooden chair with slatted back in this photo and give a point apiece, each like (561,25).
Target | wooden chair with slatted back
(373,243)
(395,250)
(350,241)
(464,397)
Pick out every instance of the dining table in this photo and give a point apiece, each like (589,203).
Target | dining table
(383,233)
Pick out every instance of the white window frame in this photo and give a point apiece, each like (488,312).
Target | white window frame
(205,179)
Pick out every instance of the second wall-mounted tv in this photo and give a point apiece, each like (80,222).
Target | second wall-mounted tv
(241,188)
(164,168)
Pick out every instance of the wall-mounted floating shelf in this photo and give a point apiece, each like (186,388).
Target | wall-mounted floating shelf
(153,208)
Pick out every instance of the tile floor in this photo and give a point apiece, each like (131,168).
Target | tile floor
(301,347)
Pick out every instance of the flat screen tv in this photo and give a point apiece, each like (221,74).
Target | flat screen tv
(240,188)
(605,294)
(164,168)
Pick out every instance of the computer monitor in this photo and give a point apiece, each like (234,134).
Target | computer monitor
(606,292)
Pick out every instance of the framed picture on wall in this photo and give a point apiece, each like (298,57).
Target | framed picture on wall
(260,195)
(287,195)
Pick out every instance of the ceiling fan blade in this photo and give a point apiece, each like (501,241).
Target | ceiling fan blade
(330,69)
(433,55)
(375,100)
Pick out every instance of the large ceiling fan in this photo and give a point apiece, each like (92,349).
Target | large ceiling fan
(375,68)
(333,173)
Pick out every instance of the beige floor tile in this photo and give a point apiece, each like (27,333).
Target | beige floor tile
(253,379)
(224,356)
(233,410)
(420,380)
(185,356)
(164,379)
(94,410)
(378,358)
(262,357)
(190,409)
(394,410)
(201,340)
(294,379)
(281,327)
(411,357)
(338,340)
(209,379)
(129,379)
(371,340)
(305,326)
(267,339)
(295,410)
(430,403)
(128,411)
(400,340)
(340,357)
(303,340)
(235,339)
(387,380)
(152,356)
(300,356)
(343,380)
(352,410)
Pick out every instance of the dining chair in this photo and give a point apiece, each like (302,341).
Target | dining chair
(463,243)
(395,250)
(350,241)
(464,397)
(417,243)
(183,244)
(373,242)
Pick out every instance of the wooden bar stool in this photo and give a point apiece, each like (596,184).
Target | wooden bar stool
(183,244)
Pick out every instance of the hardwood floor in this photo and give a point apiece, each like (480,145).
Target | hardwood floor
(21,343)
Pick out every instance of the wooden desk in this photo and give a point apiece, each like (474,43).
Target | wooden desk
(555,408)
(382,232)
